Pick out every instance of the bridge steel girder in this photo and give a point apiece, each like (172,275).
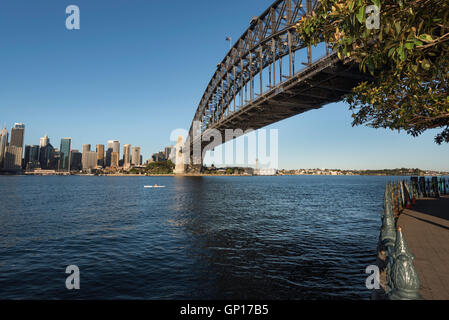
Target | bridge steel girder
(270,38)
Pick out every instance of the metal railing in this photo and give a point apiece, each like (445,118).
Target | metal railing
(401,280)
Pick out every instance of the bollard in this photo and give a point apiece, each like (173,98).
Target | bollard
(404,278)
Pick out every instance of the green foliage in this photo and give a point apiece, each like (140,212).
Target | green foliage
(161,167)
(408,56)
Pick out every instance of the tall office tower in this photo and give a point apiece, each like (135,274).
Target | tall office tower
(86,149)
(90,160)
(113,146)
(126,156)
(17,135)
(16,140)
(13,159)
(44,141)
(3,145)
(45,153)
(64,161)
(115,157)
(136,156)
(55,159)
(31,155)
(100,155)
(76,161)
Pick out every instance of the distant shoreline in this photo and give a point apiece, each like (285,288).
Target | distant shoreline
(215,175)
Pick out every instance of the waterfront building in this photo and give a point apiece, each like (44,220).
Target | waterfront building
(90,161)
(55,160)
(76,160)
(64,161)
(13,159)
(169,152)
(3,145)
(135,160)
(45,153)
(113,146)
(86,149)
(44,141)
(100,155)
(126,156)
(115,158)
(31,158)
(17,135)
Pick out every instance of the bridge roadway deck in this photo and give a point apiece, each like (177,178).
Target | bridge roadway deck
(426,230)
(326,81)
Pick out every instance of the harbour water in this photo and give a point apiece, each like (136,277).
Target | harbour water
(299,237)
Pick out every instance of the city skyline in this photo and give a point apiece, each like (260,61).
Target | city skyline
(119,151)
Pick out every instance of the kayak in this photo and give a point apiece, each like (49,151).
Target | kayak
(147,187)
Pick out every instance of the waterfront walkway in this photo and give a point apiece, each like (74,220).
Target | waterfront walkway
(426,230)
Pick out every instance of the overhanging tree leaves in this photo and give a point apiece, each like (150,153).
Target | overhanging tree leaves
(408,55)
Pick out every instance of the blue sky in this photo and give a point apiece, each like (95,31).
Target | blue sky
(136,70)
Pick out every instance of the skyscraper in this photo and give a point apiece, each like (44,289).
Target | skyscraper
(13,159)
(17,135)
(100,155)
(45,153)
(76,161)
(3,145)
(113,146)
(64,162)
(115,157)
(44,141)
(86,149)
(126,156)
(136,156)
(31,157)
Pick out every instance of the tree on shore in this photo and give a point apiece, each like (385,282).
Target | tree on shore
(160,167)
(408,55)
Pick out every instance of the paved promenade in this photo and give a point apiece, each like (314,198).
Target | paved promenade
(426,230)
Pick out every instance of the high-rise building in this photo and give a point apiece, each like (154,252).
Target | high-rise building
(90,160)
(44,141)
(169,152)
(16,140)
(45,153)
(13,159)
(17,135)
(64,161)
(100,155)
(115,157)
(31,156)
(126,156)
(113,146)
(76,161)
(86,149)
(55,159)
(135,159)
(3,145)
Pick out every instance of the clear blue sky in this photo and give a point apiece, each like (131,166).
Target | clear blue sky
(137,69)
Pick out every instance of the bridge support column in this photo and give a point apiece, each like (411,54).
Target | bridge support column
(180,165)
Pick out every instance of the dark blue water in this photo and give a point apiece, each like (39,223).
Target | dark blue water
(305,237)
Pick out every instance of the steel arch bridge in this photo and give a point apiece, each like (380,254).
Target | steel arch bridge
(270,75)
